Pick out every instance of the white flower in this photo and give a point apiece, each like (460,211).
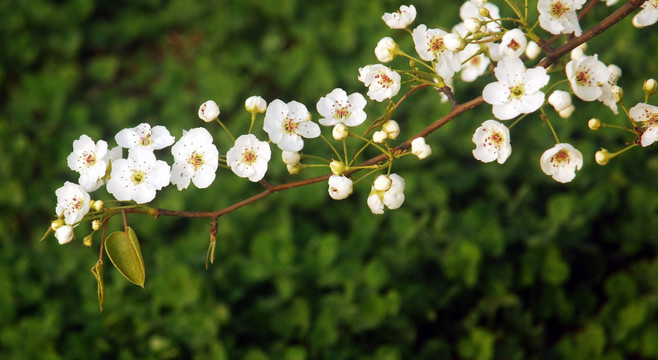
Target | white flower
(249,157)
(195,159)
(586,76)
(473,65)
(64,234)
(559,16)
(513,43)
(561,162)
(470,10)
(492,142)
(560,100)
(138,177)
(648,15)
(420,148)
(89,159)
(72,202)
(430,45)
(340,187)
(647,116)
(255,104)
(291,158)
(208,111)
(532,50)
(142,135)
(386,49)
(338,108)
(382,82)
(401,18)
(517,90)
(391,196)
(286,124)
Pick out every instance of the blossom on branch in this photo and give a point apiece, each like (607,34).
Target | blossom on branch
(286,124)
(249,157)
(647,116)
(561,162)
(143,135)
(382,82)
(517,90)
(138,177)
(73,203)
(340,187)
(492,142)
(90,160)
(339,108)
(513,43)
(401,18)
(559,16)
(195,159)
(648,15)
(430,45)
(386,190)
(586,76)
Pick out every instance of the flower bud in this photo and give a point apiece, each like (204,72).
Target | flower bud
(650,87)
(208,111)
(617,92)
(566,112)
(379,136)
(382,183)
(386,49)
(340,132)
(337,167)
(293,169)
(98,205)
(484,12)
(56,224)
(88,240)
(602,157)
(96,224)
(255,105)
(532,50)
(594,124)
(64,234)
(290,157)
(391,128)
(340,187)
(420,148)
(453,42)
(560,100)
(473,25)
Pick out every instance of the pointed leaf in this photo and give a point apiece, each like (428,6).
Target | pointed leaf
(123,250)
(97,270)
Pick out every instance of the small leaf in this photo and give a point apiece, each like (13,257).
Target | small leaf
(210,255)
(123,250)
(97,270)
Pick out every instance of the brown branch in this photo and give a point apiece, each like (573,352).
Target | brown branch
(457,110)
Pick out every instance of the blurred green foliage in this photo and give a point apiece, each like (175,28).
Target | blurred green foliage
(481,262)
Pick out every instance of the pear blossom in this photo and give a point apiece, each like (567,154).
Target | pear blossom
(647,116)
(286,124)
(561,162)
(420,148)
(339,108)
(560,100)
(143,135)
(469,10)
(139,176)
(401,18)
(73,203)
(90,160)
(513,43)
(559,16)
(249,157)
(648,15)
(386,50)
(208,111)
(586,76)
(340,187)
(492,142)
(387,191)
(64,234)
(430,45)
(517,90)
(255,104)
(195,159)
(473,64)
(382,82)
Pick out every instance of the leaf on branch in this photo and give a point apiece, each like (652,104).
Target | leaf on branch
(122,247)
(97,270)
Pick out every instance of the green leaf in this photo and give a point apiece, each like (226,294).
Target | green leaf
(123,250)
(97,270)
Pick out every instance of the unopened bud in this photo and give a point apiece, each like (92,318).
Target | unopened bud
(473,25)
(532,50)
(208,111)
(391,128)
(453,42)
(340,132)
(602,157)
(484,12)
(617,92)
(337,167)
(255,105)
(650,87)
(96,224)
(293,169)
(98,205)
(290,157)
(382,183)
(594,124)
(386,50)
(88,240)
(379,136)
(566,112)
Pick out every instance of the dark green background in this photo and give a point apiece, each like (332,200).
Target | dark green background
(482,261)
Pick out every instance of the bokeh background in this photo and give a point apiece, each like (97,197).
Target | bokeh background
(481,262)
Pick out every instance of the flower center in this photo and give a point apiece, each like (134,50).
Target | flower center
(516,91)
(89,159)
(196,160)
(558,9)
(514,45)
(383,80)
(495,139)
(341,111)
(138,177)
(290,126)
(76,203)
(249,157)
(145,140)
(561,158)
(436,44)
(583,77)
